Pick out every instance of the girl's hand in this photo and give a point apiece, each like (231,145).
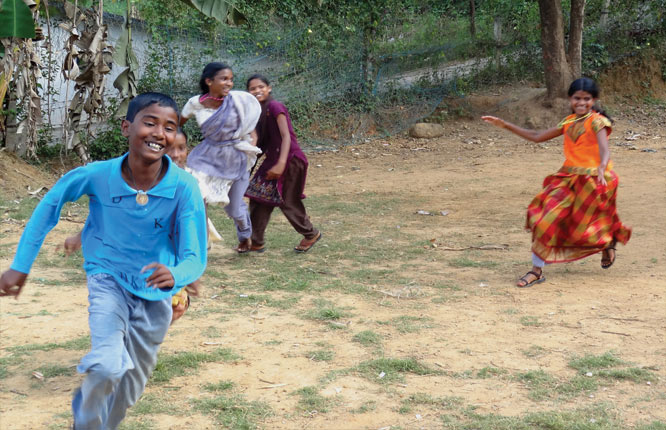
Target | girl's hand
(11,283)
(601,178)
(160,278)
(498,122)
(276,171)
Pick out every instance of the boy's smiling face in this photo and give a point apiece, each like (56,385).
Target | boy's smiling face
(151,133)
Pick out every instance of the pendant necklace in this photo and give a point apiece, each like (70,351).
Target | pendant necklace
(141,196)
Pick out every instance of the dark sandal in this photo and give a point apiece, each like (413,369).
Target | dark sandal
(539,278)
(306,244)
(606,259)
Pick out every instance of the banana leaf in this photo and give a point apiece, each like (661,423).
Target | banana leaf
(16,20)
(220,10)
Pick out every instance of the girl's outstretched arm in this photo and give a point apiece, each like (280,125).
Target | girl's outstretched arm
(604,155)
(532,135)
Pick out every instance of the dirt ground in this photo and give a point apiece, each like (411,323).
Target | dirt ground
(482,178)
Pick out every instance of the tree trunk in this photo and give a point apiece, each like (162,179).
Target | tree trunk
(603,19)
(472,18)
(556,67)
(574,52)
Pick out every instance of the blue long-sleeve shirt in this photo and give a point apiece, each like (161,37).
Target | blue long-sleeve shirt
(120,236)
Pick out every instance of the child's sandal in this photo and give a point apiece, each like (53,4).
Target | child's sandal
(608,257)
(538,278)
(244,246)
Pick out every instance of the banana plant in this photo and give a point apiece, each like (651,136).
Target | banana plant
(19,65)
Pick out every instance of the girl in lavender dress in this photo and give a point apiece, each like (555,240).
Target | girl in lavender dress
(222,161)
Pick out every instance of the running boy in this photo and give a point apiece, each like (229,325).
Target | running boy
(144,216)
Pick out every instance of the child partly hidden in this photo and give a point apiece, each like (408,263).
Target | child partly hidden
(144,240)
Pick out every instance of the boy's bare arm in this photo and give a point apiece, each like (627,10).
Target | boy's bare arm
(11,283)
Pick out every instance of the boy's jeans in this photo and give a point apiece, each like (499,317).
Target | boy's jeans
(126,332)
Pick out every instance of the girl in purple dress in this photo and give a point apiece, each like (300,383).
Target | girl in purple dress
(280,180)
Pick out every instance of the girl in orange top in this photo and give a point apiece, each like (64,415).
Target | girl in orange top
(575,215)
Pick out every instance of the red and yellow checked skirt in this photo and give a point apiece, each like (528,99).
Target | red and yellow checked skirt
(573,217)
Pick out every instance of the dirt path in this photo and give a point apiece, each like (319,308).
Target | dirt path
(457,312)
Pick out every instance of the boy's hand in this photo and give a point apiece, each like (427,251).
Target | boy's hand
(160,278)
(11,283)
(72,244)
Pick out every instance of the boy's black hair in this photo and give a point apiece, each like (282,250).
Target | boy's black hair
(144,100)
(209,72)
(261,77)
(181,131)
(589,86)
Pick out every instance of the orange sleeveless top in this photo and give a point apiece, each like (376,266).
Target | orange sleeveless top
(580,140)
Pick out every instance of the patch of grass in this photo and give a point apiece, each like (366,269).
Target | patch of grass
(654,425)
(467,262)
(234,412)
(78,344)
(423,399)
(171,366)
(387,370)
(368,406)
(203,312)
(3,371)
(490,372)
(20,209)
(534,351)
(635,374)
(367,338)
(410,324)
(530,321)
(326,311)
(597,417)
(136,425)
(211,332)
(321,355)
(577,385)
(312,401)
(540,384)
(593,362)
(53,370)
(153,404)
(219,386)
(266,300)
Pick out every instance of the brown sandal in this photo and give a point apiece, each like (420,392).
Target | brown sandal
(306,244)
(244,246)
(538,278)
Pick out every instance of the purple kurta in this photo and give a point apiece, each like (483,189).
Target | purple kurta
(270,142)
